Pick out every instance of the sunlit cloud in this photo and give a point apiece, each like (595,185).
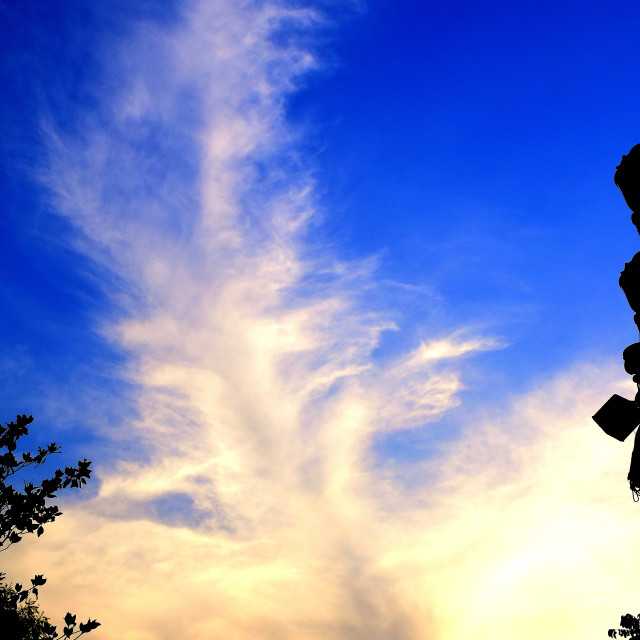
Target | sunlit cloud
(256,507)
(449,348)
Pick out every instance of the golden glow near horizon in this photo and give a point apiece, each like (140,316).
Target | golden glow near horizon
(260,417)
(311,541)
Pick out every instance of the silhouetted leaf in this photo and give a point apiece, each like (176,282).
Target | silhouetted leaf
(26,512)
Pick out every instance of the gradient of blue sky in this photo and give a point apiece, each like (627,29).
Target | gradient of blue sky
(472,142)
(451,167)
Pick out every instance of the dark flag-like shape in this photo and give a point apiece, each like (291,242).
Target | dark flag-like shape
(618,417)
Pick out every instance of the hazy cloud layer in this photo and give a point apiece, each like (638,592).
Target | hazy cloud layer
(261,513)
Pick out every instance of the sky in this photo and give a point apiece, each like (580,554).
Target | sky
(327,292)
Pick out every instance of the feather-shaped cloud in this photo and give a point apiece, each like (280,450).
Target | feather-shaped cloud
(258,509)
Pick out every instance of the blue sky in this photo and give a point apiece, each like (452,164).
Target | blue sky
(497,125)
(356,257)
(471,150)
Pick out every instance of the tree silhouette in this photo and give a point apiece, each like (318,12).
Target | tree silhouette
(22,622)
(619,418)
(27,511)
(629,627)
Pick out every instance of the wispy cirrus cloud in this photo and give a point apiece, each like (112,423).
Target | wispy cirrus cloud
(258,509)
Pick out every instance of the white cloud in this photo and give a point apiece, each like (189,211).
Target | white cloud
(526,528)
(450,347)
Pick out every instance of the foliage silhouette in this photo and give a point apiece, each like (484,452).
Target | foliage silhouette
(27,512)
(22,622)
(629,628)
(627,179)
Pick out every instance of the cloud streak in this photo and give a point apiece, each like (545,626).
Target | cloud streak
(256,508)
